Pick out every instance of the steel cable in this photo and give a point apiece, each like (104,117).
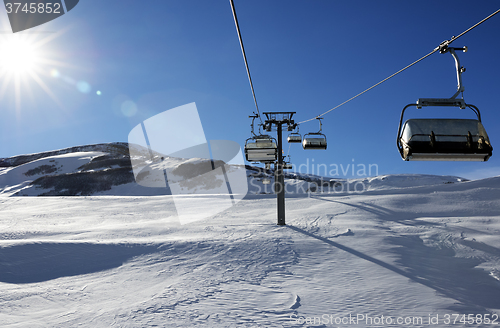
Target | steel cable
(443,44)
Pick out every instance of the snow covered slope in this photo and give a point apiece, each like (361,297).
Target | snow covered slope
(410,250)
(105,169)
(81,170)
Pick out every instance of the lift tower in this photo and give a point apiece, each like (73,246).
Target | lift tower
(279,119)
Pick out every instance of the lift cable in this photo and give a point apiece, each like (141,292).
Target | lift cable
(245,58)
(443,45)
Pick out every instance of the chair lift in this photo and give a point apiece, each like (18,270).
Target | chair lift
(287,165)
(260,148)
(267,180)
(315,140)
(444,139)
(294,137)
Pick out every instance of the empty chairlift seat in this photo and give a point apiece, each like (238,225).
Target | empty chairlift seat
(294,138)
(261,149)
(314,141)
(444,140)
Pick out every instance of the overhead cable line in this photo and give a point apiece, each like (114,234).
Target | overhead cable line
(443,45)
(245,58)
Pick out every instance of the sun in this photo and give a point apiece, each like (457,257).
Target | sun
(24,59)
(18,56)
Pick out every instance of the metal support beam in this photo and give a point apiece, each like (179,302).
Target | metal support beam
(459,68)
(278,119)
(279,185)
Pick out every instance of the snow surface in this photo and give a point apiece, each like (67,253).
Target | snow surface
(408,247)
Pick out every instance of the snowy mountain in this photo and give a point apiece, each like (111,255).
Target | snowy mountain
(106,169)
(407,251)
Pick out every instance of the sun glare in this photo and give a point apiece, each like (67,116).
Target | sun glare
(22,62)
(18,56)
(26,62)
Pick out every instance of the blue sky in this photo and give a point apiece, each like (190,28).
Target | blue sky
(304,56)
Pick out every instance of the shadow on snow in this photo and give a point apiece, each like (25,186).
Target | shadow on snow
(450,276)
(30,263)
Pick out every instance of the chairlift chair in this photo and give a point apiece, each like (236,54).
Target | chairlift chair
(444,139)
(261,148)
(315,140)
(287,165)
(294,137)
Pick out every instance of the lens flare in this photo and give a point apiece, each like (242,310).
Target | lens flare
(129,108)
(83,87)
(55,73)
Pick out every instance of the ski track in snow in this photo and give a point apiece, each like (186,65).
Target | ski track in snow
(116,261)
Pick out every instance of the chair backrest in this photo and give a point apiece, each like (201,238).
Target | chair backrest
(314,141)
(261,143)
(261,150)
(444,140)
(294,138)
(443,129)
